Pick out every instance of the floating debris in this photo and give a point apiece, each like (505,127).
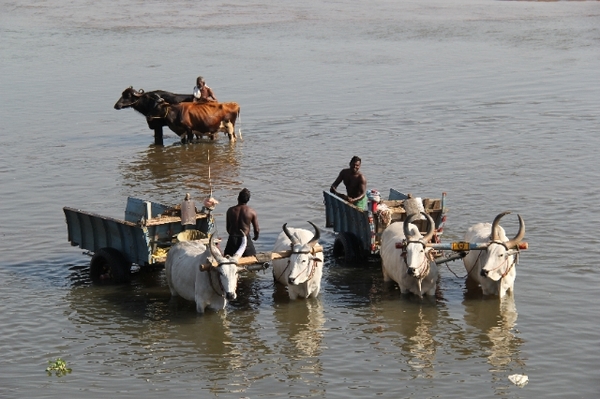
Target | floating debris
(519,380)
(58,367)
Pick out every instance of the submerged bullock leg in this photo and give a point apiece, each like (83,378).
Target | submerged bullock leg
(230,131)
(187,137)
(158,135)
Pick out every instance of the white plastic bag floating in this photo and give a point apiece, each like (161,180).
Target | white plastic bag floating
(519,380)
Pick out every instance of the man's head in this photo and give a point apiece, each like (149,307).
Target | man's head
(244,196)
(355,163)
(200,81)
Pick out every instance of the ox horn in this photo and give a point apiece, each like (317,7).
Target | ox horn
(520,234)
(289,235)
(409,219)
(495,235)
(317,235)
(216,254)
(430,228)
(242,247)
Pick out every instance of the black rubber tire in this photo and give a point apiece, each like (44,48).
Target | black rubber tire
(347,247)
(110,265)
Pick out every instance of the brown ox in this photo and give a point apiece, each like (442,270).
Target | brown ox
(199,118)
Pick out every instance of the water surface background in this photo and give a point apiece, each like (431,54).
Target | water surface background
(496,103)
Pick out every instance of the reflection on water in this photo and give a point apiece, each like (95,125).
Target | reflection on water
(411,326)
(301,323)
(171,170)
(497,341)
(163,335)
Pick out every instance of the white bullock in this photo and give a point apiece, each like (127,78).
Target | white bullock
(406,259)
(191,275)
(493,268)
(302,271)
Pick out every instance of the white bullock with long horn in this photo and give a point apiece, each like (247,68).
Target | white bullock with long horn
(493,268)
(406,259)
(303,270)
(191,274)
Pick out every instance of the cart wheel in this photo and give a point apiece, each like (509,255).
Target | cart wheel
(346,247)
(109,265)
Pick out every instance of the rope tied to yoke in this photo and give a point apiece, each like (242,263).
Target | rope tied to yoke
(427,259)
(516,258)
(289,261)
(516,261)
(210,273)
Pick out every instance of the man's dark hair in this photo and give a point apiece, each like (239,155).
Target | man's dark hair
(244,196)
(355,159)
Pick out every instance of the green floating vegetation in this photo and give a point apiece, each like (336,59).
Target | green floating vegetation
(58,367)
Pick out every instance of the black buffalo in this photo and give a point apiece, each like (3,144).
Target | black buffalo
(145,103)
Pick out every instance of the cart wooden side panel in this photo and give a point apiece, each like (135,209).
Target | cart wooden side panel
(137,237)
(344,217)
(92,232)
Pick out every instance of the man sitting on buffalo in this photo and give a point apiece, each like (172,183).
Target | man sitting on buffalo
(202,92)
(355,182)
(238,219)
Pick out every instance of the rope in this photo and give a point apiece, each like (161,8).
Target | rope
(210,273)
(160,117)
(425,262)
(314,261)
(286,267)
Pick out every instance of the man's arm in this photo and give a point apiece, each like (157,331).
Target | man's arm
(228,222)
(336,183)
(255,225)
(210,93)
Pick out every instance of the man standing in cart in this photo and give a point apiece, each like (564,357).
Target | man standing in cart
(355,182)
(238,219)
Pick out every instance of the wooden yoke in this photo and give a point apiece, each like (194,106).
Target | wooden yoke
(264,257)
(269,256)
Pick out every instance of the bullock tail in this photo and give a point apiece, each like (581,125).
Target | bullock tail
(239,118)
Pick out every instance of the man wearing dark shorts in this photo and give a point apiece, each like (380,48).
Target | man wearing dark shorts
(238,219)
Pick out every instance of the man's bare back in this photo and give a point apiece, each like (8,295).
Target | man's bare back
(239,218)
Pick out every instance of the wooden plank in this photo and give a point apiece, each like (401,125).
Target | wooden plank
(251,260)
(261,257)
(170,219)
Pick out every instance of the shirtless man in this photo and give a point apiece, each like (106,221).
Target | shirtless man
(202,92)
(355,182)
(240,217)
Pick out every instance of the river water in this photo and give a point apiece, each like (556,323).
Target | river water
(496,103)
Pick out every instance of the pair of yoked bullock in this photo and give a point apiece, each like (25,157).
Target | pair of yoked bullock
(407,260)
(192,275)
(405,257)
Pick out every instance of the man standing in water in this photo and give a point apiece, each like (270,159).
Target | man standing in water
(238,219)
(355,182)
(202,92)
